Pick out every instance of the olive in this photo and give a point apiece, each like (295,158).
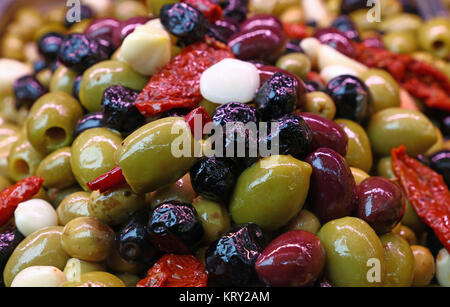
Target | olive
(234,112)
(76,86)
(434,37)
(305,220)
(180,190)
(214,218)
(75,268)
(345,24)
(256,200)
(348,6)
(261,21)
(88,121)
(424,266)
(296,63)
(399,261)
(406,233)
(332,185)
(55,169)
(72,206)
(353,253)
(411,219)
(359,175)
(154,6)
(235,9)
(9,239)
(87,238)
(440,162)
(223,29)
(27,90)
(49,45)
(230,260)
(400,41)
(337,40)
(96,279)
(102,30)
(320,103)
(401,22)
(383,88)
(63,80)
(126,27)
(119,265)
(295,258)
(384,168)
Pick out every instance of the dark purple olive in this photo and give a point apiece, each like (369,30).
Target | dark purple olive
(230,261)
(326,133)
(85,13)
(262,21)
(332,189)
(39,65)
(27,90)
(89,121)
(345,24)
(174,227)
(223,29)
(440,162)
(348,6)
(103,29)
(446,126)
(234,9)
(9,239)
(293,46)
(49,44)
(352,98)
(295,258)
(266,44)
(380,203)
(127,27)
(336,40)
(235,112)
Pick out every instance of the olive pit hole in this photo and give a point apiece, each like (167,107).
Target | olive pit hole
(21,167)
(438,44)
(55,135)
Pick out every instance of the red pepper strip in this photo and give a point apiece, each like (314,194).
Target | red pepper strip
(426,191)
(13,195)
(197,119)
(211,10)
(296,30)
(176,271)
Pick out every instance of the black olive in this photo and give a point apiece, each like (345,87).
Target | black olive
(174,227)
(345,24)
(27,90)
(9,239)
(352,98)
(89,121)
(231,259)
(214,178)
(54,65)
(184,21)
(85,13)
(178,112)
(76,86)
(235,9)
(234,112)
(440,162)
(293,46)
(39,65)
(446,126)
(49,45)
(348,6)
(223,29)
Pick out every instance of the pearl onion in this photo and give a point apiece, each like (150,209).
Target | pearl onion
(443,268)
(39,276)
(230,80)
(33,215)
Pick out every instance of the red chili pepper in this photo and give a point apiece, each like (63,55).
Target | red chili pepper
(426,191)
(211,10)
(176,271)
(296,30)
(13,195)
(177,85)
(197,118)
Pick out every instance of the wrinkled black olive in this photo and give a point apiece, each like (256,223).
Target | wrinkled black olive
(231,259)
(49,44)
(9,239)
(345,24)
(235,112)
(440,162)
(223,29)
(89,121)
(27,90)
(174,227)
(85,13)
(234,9)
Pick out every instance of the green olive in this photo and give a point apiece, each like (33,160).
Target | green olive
(72,206)
(214,218)
(400,41)
(439,145)
(321,104)
(282,5)
(56,196)
(96,279)
(52,120)
(359,153)
(305,220)
(399,261)
(101,76)
(119,265)
(406,233)
(384,168)
(87,238)
(30,19)
(271,192)
(411,219)
(390,8)
(42,247)
(393,127)
(56,14)
(114,207)
(400,22)
(181,190)
(434,37)
(359,175)
(353,253)
(44,77)
(424,266)
(359,17)
(55,169)
(295,63)
(156,142)
(154,6)
(75,268)
(130,280)
(383,88)
(62,80)
(12,47)
(127,9)
(93,154)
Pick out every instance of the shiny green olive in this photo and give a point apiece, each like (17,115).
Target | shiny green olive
(400,41)
(359,175)
(406,233)
(295,63)
(270,192)
(30,19)
(119,265)
(101,76)
(424,266)
(55,169)
(44,77)
(399,261)
(359,153)
(93,154)
(75,268)
(384,168)
(393,127)
(305,220)
(400,22)
(72,206)
(8,109)
(12,47)
(181,190)
(42,247)
(354,253)
(320,103)
(129,8)
(56,196)
(52,120)
(96,279)
(214,218)
(411,219)
(4,182)
(157,154)
(434,37)
(154,6)
(114,207)
(87,238)
(383,88)
(62,80)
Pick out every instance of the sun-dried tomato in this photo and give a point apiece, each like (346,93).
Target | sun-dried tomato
(296,30)
(176,271)
(211,10)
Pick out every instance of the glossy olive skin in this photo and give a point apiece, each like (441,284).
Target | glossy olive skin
(42,247)
(349,243)
(101,76)
(406,233)
(93,154)
(411,219)
(337,40)
(96,279)
(400,41)
(52,120)
(321,104)
(359,153)
(72,206)
(180,190)
(88,121)
(359,175)
(434,37)
(440,163)
(383,88)
(270,192)
(305,220)
(153,142)
(296,63)
(399,261)
(261,21)
(295,258)
(424,266)
(55,169)
(214,218)
(56,196)
(62,80)
(393,127)
(87,238)
(384,168)
(113,207)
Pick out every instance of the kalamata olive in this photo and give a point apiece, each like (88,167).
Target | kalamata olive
(348,6)
(337,40)
(103,28)
(380,203)
(266,44)
(9,239)
(91,120)
(223,29)
(333,186)
(346,25)
(234,9)
(261,22)
(295,258)
(440,162)
(27,90)
(127,27)
(235,112)
(293,46)
(230,261)
(326,133)
(351,96)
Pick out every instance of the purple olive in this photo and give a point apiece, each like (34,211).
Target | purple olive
(380,203)
(261,21)
(337,40)
(223,29)
(296,258)
(326,133)
(126,28)
(346,25)
(333,187)
(348,6)
(103,29)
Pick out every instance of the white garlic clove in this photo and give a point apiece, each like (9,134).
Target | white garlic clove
(34,214)
(39,276)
